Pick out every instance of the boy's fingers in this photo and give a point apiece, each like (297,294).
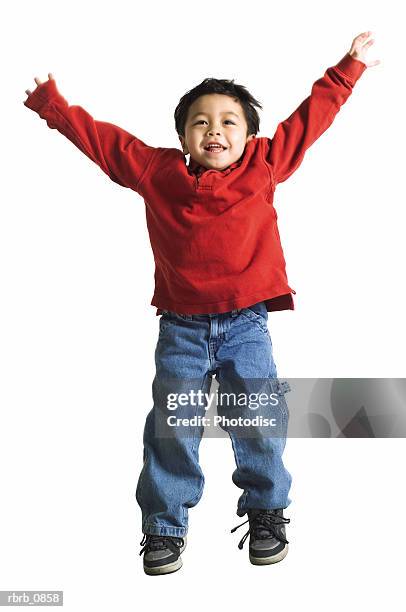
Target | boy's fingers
(374,63)
(39,82)
(363,35)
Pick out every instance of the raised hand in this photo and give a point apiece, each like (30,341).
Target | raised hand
(360,46)
(39,82)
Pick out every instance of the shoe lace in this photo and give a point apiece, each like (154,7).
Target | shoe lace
(151,542)
(262,525)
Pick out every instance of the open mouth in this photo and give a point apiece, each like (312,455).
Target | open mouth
(216,149)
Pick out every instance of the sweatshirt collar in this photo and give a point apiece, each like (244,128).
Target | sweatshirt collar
(198,170)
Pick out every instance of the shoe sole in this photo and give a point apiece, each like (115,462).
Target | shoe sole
(166,569)
(268,560)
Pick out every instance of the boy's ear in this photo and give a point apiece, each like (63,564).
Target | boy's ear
(184,145)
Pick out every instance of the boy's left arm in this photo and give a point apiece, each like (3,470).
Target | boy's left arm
(304,126)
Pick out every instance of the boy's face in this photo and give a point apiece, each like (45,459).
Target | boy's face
(219,118)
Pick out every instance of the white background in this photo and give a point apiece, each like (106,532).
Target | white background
(78,332)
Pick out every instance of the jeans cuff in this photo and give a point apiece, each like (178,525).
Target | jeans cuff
(175,532)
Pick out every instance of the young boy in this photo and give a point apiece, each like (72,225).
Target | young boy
(219,269)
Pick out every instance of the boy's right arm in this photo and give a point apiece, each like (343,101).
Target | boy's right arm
(122,156)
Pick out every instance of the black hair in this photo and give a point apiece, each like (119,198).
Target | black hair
(219,86)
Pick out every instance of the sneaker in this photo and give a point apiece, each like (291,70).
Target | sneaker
(268,543)
(162,553)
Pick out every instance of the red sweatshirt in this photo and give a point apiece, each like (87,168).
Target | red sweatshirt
(213,233)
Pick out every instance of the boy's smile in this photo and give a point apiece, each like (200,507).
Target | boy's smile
(215,131)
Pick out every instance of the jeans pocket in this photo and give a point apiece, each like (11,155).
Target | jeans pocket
(254,316)
(164,322)
(169,318)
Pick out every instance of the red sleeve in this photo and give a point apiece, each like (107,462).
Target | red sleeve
(122,156)
(315,114)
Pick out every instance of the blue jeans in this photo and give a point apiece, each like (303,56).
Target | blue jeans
(236,348)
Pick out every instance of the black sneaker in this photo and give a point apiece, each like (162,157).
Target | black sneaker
(268,543)
(162,553)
